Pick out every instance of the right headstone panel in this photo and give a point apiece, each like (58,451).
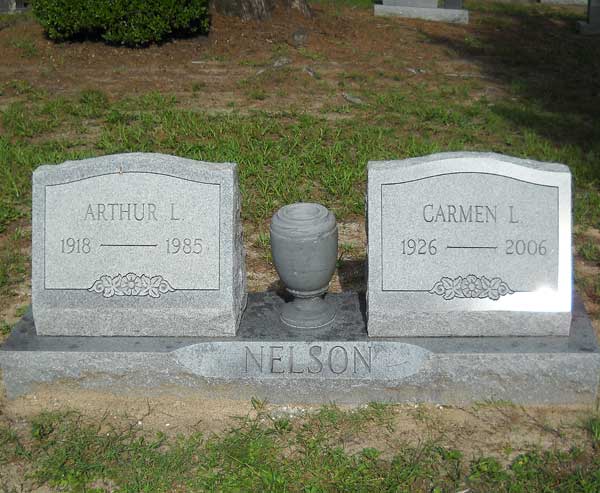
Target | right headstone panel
(469,244)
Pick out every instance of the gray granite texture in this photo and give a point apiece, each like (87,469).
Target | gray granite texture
(137,244)
(432,4)
(592,26)
(340,363)
(469,244)
(565,2)
(457,16)
(453,4)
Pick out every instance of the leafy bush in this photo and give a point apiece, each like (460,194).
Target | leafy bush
(128,22)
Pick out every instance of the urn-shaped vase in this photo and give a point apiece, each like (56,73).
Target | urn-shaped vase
(304,239)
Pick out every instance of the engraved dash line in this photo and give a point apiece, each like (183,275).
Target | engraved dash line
(473,247)
(126,245)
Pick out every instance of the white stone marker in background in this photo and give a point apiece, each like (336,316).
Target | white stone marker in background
(418,9)
(137,244)
(469,244)
(429,4)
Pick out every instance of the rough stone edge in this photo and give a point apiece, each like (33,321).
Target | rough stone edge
(442,156)
(457,16)
(239,277)
(88,165)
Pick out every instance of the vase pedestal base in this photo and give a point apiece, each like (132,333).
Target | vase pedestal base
(307,313)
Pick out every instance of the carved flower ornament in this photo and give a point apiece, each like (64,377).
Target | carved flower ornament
(131,285)
(471,286)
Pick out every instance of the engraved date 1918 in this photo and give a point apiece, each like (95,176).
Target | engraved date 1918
(75,245)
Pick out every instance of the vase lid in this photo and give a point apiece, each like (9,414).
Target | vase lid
(303,219)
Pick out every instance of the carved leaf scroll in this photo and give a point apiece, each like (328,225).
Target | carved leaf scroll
(471,286)
(131,285)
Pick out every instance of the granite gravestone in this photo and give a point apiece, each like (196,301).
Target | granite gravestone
(137,244)
(469,244)
(424,9)
(592,26)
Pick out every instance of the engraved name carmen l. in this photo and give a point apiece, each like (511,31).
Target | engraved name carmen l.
(281,359)
(463,213)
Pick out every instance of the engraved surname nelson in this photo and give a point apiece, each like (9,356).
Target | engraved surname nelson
(314,359)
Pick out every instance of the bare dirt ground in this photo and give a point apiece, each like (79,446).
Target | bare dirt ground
(224,65)
(496,429)
(500,429)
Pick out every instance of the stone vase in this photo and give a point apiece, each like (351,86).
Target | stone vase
(304,239)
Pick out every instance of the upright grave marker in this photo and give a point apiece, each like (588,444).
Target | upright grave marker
(469,244)
(592,26)
(137,244)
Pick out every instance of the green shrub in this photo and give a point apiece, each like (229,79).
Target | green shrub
(127,22)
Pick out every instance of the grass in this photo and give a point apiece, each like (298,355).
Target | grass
(521,9)
(279,454)
(325,159)
(590,251)
(12,265)
(27,47)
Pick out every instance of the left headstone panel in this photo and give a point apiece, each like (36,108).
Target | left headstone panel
(137,245)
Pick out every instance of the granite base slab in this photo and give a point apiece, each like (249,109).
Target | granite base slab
(458,16)
(588,28)
(338,363)
(432,4)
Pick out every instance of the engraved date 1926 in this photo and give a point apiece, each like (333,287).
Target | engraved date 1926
(419,246)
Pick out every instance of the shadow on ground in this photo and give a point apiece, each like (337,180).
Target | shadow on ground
(535,51)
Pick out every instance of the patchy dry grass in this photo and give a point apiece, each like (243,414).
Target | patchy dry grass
(325,449)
